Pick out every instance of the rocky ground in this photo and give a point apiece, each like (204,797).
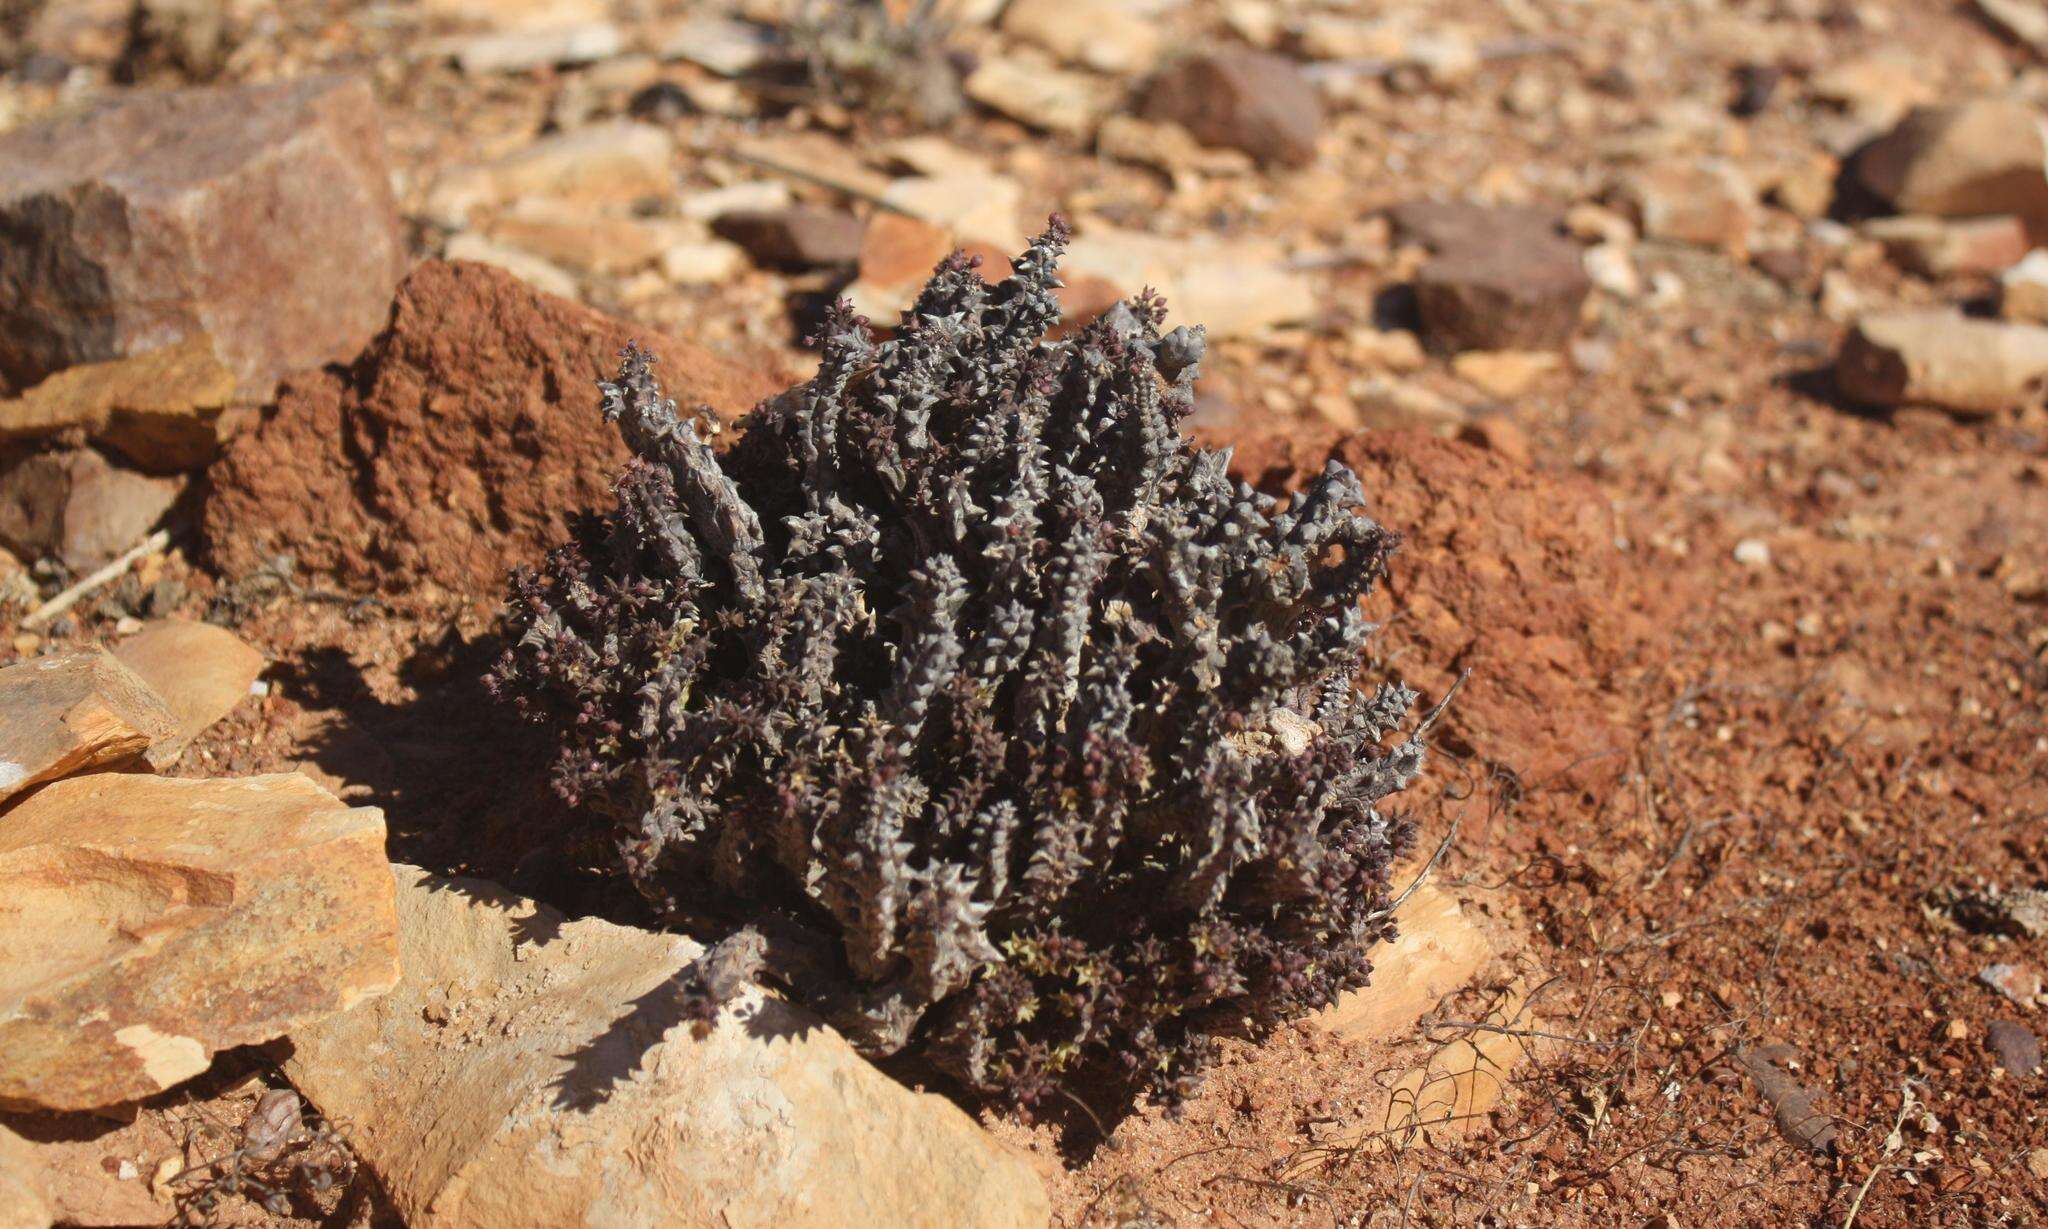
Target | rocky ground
(1696,350)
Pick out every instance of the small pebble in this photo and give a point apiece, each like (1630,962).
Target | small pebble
(1753,553)
(2016,1047)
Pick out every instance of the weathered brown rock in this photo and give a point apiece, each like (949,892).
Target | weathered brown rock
(146,922)
(800,237)
(1940,357)
(1249,100)
(261,216)
(530,1071)
(75,712)
(200,670)
(76,505)
(159,409)
(1963,160)
(1523,297)
(1707,202)
(23,1204)
(1946,247)
(460,444)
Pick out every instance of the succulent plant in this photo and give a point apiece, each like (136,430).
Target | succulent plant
(1025,738)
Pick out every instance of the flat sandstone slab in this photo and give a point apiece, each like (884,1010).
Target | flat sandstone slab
(74,712)
(534,1072)
(146,922)
(200,670)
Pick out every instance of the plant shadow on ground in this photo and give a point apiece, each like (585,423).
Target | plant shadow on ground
(463,783)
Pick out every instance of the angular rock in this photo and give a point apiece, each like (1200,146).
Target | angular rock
(2023,289)
(1946,247)
(1940,357)
(1964,160)
(1053,99)
(1521,297)
(975,207)
(2016,1047)
(1100,34)
(800,237)
(706,263)
(76,712)
(523,50)
(618,161)
(533,1071)
(160,408)
(146,922)
(1248,100)
(261,216)
(1874,89)
(726,47)
(897,254)
(2025,21)
(515,14)
(1230,288)
(201,671)
(1447,227)
(1708,203)
(1505,373)
(77,506)
(589,241)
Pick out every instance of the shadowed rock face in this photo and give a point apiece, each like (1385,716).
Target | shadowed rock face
(533,1071)
(261,215)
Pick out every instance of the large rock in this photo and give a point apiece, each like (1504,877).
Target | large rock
(146,922)
(259,215)
(76,712)
(460,444)
(1942,358)
(532,1071)
(201,671)
(1964,160)
(1249,100)
(79,507)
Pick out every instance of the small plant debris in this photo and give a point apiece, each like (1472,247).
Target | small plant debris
(282,1152)
(1026,736)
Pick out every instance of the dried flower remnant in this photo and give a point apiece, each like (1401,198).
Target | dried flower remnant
(1025,736)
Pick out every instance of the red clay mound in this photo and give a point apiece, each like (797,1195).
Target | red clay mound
(1510,572)
(457,445)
